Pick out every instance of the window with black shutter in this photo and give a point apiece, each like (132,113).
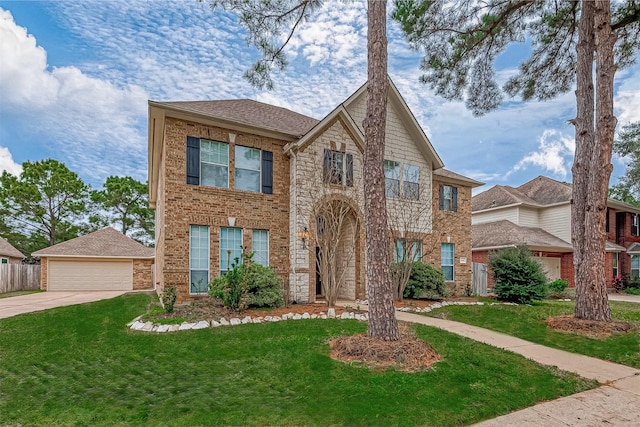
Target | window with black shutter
(448,198)
(193,160)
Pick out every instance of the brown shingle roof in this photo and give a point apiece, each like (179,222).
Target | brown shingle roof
(539,191)
(505,233)
(7,250)
(250,112)
(105,243)
(447,174)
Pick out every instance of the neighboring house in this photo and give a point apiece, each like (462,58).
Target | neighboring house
(105,260)
(9,254)
(538,214)
(239,173)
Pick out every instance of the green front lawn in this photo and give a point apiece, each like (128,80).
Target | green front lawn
(80,365)
(18,293)
(527,322)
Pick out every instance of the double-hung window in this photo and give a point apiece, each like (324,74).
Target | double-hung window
(635,266)
(404,249)
(260,249)
(411,184)
(635,228)
(198,259)
(248,162)
(337,168)
(447,255)
(448,198)
(214,163)
(391,179)
(614,263)
(230,248)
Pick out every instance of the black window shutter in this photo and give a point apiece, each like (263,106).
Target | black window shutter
(267,172)
(441,197)
(349,179)
(454,190)
(193,160)
(326,165)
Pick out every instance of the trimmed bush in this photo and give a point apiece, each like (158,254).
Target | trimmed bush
(517,276)
(247,285)
(557,287)
(425,281)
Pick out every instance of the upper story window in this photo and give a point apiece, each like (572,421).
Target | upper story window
(635,229)
(406,250)
(337,168)
(410,182)
(448,198)
(606,221)
(208,164)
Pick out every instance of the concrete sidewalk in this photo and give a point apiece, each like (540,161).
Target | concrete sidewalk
(624,297)
(616,403)
(12,306)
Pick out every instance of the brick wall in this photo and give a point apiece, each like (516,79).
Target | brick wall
(184,205)
(452,227)
(43,273)
(142,274)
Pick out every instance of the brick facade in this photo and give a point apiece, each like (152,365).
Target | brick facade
(181,205)
(142,274)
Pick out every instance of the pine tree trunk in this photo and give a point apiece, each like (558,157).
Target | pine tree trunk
(382,318)
(592,163)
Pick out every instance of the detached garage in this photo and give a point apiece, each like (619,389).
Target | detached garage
(105,260)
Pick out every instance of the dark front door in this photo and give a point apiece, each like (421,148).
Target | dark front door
(318,278)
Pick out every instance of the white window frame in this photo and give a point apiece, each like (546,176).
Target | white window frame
(393,166)
(635,225)
(398,250)
(208,231)
(635,259)
(236,168)
(253,243)
(453,261)
(227,165)
(225,254)
(614,264)
(447,203)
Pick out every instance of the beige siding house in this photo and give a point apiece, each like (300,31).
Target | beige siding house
(9,254)
(210,198)
(104,260)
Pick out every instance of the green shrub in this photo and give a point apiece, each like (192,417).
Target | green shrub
(517,276)
(169,298)
(557,287)
(247,285)
(632,291)
(425,281)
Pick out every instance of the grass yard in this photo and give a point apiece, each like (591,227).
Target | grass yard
(18,293)
(79,365)
(527,322)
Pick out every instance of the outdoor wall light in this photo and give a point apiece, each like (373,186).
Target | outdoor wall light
(304,236)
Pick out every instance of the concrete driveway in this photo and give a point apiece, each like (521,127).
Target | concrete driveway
(624,297)
(21,304)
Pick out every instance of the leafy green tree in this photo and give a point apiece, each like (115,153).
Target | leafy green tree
(270,22)
(461,41)
(628,145)
(124,202)
(45,203)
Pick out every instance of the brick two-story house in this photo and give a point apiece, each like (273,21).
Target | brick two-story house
(239,173)
(538,214)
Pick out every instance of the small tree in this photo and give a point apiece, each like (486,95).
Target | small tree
(518,277)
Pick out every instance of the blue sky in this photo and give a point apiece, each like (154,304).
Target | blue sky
(75,77)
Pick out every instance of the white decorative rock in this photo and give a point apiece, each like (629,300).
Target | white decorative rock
(257,320)
(163,328)
(306,316)
(203,324)
(133,321)
(268,318)
(436,305)
(331,313)
(344,315)
(147,327)
(479,303)
(137,325)
(276,319)
(224,322)
(215,324)
(323,316)
(285,316)
(314,316)
(186,326)
(296,317)
(246,319)
(235,321)
(173,328)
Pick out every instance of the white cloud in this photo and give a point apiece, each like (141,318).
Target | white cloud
(555,150)
(7,163)
(95,125)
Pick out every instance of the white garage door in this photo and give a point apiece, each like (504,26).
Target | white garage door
(551,267)
(78,275)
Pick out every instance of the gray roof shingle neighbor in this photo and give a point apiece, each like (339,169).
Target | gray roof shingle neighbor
(105,243)
(250,112)
(7,250)
(505,233)
(446,173)
(539,191)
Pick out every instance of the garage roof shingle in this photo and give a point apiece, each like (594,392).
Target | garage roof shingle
(105,243)
(6,249)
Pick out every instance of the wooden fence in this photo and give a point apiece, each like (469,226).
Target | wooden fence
(479,279)
(19,277)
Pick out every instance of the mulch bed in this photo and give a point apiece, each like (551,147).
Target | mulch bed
(590,328)
(409,354)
